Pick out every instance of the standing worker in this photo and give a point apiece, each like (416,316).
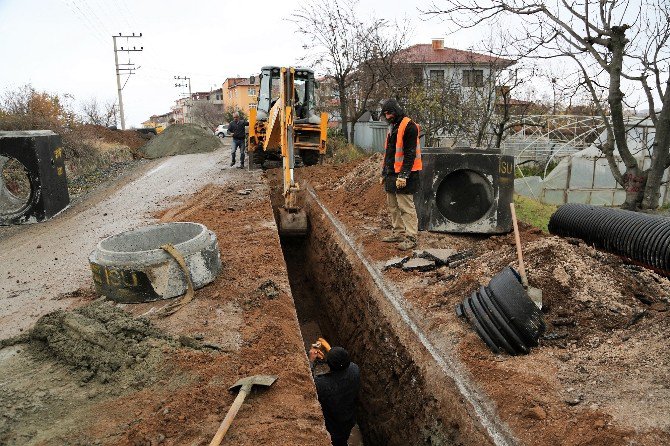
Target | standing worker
(400,175)
(337,391)
(239,136)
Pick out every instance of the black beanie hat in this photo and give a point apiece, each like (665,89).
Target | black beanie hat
(392,106)
(337,358)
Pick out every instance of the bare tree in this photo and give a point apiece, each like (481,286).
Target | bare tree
(207,114)
(340,42)
(27,109)
(373,78)
(509,112)
(434,104)
(478,111)
(610,43)
(230,111)
(99,114)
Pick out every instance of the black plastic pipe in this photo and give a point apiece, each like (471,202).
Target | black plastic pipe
(642,238)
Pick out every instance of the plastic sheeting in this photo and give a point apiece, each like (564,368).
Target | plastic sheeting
(585,176)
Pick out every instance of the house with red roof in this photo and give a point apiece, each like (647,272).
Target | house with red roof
(459,68)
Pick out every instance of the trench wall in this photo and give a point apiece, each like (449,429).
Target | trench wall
(400,405)
(406,398)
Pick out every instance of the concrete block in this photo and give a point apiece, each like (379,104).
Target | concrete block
(419,265)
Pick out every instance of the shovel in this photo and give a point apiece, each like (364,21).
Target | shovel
(535,294)
(244,385)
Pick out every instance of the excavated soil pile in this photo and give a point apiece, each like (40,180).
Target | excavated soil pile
(601,375)
(101,341)
(61,373)
(129,138)
(180,140)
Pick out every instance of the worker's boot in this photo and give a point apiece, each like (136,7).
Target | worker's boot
(407,244)
(393,238)
(232,163)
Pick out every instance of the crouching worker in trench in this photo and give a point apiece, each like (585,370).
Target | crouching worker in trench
(337,391)
(400,175)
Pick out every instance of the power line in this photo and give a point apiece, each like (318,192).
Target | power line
(98,29)
(108,13)
(95,16)
(132,16)
(77,11)
(122,12)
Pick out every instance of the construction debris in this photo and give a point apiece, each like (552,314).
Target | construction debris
(440,256)
(419,265)
(395,262)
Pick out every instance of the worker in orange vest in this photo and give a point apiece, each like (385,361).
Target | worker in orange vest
(400,175)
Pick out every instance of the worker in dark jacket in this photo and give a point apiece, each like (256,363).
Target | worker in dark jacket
(400,175)
(236,128)
(337,391)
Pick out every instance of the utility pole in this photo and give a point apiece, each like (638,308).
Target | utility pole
(187,116)
(125,67)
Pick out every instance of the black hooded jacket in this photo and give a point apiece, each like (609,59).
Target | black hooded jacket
(409,152)
(337,392)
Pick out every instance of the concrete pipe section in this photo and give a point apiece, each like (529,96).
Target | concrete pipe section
(131,267)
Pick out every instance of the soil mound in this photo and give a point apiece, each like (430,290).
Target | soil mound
(129,138)
(180,140)
(99,340)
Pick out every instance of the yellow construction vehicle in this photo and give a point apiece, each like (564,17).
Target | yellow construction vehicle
(309,129)
(282,123)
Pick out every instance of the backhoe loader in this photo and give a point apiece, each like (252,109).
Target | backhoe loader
(309,129)
(283,122)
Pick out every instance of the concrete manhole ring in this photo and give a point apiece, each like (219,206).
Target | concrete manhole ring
(131,267)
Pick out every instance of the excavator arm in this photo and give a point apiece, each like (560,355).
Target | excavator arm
(292,219)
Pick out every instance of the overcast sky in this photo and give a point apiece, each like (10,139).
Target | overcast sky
(65,46)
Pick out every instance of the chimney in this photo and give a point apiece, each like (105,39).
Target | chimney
(438,44)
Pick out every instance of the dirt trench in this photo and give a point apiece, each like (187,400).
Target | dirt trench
(405,396)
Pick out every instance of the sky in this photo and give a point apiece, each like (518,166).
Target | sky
(66,46)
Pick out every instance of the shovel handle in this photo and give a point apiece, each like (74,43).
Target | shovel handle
(230,416)
(517,240)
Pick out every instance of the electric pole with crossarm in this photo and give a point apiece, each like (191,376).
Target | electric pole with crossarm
(187,116)
(128,68)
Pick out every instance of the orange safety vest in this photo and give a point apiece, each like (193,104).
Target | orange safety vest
(399,154)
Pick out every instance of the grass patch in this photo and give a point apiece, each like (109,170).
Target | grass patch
(533,169)
(533,212)
(340,151)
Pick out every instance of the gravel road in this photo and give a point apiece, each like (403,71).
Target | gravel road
(41,261)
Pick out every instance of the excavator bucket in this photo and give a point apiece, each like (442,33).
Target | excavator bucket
(292,222)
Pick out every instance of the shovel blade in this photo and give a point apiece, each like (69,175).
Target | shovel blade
(292,223)
(256,380)
(535,295)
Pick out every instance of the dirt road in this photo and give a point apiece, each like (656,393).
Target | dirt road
(44,260)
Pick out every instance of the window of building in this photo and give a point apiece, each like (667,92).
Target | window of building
(436,77)
(473,78)
(252,91)
(252,106)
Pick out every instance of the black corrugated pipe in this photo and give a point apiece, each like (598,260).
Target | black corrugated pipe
(642,238)
(503,315)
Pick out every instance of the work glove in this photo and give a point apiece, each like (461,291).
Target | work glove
(400,183)
(314,354)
